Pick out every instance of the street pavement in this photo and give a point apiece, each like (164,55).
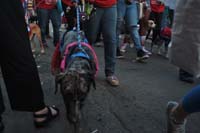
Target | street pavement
(138,105)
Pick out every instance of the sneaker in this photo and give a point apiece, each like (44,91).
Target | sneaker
(141,55)
(112,80)
(131,45)
(119,54)
(185,76)
(99,44)
(123,47)
(146,51)
(172,125)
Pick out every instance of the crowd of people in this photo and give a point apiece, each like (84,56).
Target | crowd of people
(109,19)
(127,15)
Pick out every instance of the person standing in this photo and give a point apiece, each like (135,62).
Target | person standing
(46,11)
(105,17)
(70,13)
(157,9)
(184,53)
(177,113)
(127,9)
(18,66)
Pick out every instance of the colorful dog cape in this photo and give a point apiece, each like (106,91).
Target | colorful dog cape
(68,49)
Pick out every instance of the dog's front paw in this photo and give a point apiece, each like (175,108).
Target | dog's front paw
(42,51)
(33,50)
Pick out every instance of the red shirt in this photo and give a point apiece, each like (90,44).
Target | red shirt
(67,2)
(41,4)
(156,7)
(104,3)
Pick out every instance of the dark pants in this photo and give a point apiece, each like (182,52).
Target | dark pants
(43,17)
(157,18)
(70,16)
(106,19)
(47,29)
(171,16)
(16,60)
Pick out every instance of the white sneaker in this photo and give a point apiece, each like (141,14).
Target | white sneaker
(146,51)
(131,45)
(123,47)
(174,126)
(99,44)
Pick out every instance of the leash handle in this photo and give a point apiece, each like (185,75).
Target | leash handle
(78,24)
(78,27)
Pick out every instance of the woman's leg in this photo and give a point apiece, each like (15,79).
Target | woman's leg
(178,112)
(43,18)
(17,63)
(70,14)
(156,30)
(56,22)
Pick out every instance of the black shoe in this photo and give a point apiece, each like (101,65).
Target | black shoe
(1,125)
(48,117)
(119,54)
(141,55)
(186,77)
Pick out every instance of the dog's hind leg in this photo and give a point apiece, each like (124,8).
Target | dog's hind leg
(40,41)
(148,34)
(159,49)
(151,49)
(33,45)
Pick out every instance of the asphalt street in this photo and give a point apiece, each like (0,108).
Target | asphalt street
(138,105)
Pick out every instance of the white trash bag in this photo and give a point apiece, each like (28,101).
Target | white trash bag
(185,49)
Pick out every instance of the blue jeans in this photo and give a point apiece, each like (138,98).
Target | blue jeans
(106,19)
(191,101)
(43,17)
(165,20)
(130,14)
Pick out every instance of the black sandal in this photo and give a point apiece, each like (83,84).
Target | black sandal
(47,116)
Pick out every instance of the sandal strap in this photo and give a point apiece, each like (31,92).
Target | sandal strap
(48,114)
(40,115)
